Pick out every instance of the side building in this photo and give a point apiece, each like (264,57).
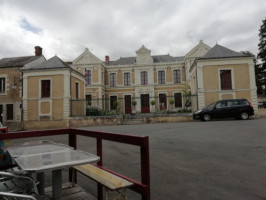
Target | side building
(52,93)
(11,89)
(223,74)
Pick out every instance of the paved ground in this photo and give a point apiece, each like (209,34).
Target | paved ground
(192,160)
(198,160)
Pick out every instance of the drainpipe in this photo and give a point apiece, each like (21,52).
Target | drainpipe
(70,100)
(22,111)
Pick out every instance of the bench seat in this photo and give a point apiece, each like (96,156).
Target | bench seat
(107,179)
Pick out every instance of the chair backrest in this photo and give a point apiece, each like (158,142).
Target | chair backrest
(21,186)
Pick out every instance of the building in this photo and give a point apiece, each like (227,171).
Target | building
(223,74)
(52,93)
(11,90)
(165,79)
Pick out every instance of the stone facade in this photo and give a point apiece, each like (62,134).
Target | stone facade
(11,91)
(123,80)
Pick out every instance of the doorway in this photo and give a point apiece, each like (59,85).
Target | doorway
(127,104)
(145,103)
(162,101)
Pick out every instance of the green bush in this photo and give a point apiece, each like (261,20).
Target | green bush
(93,111)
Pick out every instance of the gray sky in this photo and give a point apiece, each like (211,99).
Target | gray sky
(119,27)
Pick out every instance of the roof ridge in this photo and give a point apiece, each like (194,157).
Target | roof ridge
(19,57)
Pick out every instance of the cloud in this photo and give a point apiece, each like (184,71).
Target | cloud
(118,28)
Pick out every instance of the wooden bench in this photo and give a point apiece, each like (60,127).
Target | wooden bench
(115,186)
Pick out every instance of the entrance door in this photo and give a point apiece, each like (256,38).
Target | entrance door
(162,101)
(145,104)
(127,104)
(1,113)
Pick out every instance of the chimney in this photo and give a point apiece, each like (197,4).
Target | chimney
(107,59)
(38,51)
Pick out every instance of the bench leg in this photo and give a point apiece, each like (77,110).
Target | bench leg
(115,195)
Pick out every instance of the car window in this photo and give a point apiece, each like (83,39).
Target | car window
(244,102)
(233,103)
(211,105)
(221,104)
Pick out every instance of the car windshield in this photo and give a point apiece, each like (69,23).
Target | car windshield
(211,105)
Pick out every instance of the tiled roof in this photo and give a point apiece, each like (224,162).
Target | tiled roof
(17,61)
(219,51)
(52,63)
(156,59)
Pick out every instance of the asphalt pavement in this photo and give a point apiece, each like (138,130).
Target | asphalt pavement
(223,159)
(197,160)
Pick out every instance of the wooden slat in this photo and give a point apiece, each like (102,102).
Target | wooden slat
(103,177)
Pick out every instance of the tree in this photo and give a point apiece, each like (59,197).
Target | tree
(258,72)
(262,54)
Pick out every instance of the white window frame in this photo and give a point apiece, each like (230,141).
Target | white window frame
(115,80)
(40,88)
(5,77)
(129,78)
(232,78)
(161,70)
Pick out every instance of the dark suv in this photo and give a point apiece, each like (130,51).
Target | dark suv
(230,108)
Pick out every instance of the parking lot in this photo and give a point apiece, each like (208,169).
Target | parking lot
(223,159)
(196,160)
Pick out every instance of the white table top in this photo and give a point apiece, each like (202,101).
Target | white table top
(55,160)
(36,147)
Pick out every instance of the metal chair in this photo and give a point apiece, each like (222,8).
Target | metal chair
(13,186)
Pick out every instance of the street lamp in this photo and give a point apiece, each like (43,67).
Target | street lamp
(16,79)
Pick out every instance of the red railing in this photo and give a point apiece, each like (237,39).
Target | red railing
(142,187)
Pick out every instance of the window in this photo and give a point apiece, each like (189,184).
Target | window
(178,100)
(177,76)
(221,104)
(88,99)
(127,79)
(144,78)
(112,104)
(88,77)
(161,77)
(46,88)
(77,90)
(2,85)
(225,78)
(9,112)
(113,79)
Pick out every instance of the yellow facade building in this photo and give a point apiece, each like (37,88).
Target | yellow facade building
(51,94)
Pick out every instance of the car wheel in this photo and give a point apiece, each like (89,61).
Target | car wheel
(244,115)
(206,117)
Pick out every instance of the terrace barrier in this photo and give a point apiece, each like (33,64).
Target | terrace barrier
(142,187)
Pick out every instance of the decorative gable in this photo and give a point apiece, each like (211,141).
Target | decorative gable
(198,51)
(144,56)
(86,58)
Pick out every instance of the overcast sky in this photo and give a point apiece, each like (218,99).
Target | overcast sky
(119,27)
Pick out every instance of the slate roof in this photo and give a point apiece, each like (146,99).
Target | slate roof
(156,59)
(52,63)
(219,51)
(17,61)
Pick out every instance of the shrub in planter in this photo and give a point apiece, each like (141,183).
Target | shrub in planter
(134,102)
